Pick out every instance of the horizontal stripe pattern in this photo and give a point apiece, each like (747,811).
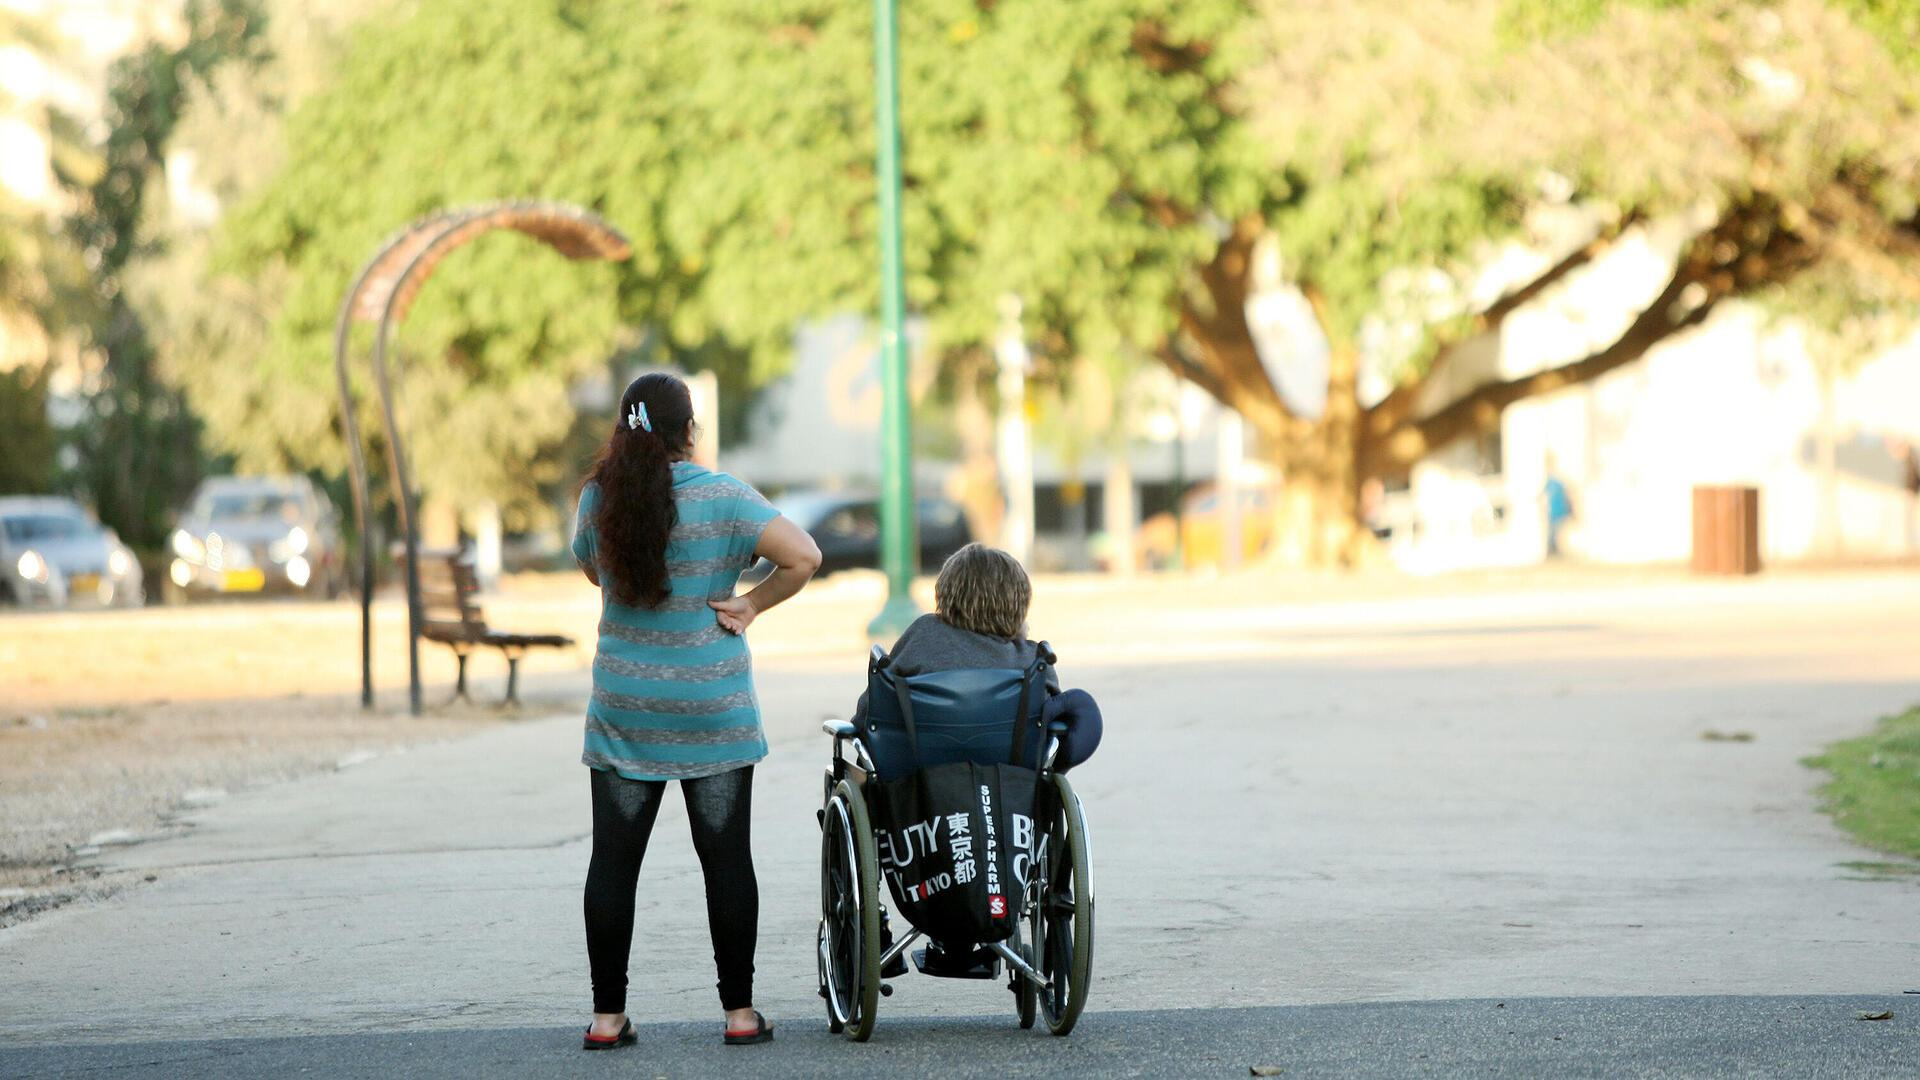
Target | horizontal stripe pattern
(635,703)
(684,531)
(668,771)
(678,604)
(706,567)
(691,673)
(685,639)
(673,691)
(666,736)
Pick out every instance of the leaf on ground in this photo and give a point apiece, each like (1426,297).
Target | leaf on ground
(1888,1015)
(1711,735)
(1265,1070)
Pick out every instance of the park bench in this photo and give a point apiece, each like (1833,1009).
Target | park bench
(450,614)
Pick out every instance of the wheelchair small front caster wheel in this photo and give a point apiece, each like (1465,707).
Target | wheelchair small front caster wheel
(886,989)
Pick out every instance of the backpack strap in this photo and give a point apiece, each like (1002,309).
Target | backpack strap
(1043,658)
(905,697)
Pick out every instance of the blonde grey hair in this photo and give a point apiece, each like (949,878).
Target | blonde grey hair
(985,590)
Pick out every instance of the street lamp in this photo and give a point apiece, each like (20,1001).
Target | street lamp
(898,549)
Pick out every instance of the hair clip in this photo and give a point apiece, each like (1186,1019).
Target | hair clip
(637,417)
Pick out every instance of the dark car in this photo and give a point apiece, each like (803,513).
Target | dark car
(847,529)
(257,534)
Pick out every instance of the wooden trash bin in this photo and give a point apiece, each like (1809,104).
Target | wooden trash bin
(1726,530)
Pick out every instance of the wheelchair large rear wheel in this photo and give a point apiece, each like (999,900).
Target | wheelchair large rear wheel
(849,946)
(1061,920)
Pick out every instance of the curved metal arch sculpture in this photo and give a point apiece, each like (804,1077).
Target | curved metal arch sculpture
(382,293)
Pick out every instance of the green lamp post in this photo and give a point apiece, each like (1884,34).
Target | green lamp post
(898,549)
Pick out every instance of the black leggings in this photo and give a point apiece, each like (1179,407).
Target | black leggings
(719,808)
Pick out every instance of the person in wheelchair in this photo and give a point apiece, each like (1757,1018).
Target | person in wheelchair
(980,621)
(981,598)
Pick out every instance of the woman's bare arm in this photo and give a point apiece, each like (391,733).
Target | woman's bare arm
(795,557)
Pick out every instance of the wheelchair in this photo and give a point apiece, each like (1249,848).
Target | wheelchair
(1049,957)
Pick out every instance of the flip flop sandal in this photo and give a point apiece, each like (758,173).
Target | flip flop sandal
(763,1033)
(627,1037)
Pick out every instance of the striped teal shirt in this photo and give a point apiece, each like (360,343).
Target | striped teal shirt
(673,694)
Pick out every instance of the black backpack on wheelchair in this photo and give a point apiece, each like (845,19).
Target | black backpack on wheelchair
(956,793)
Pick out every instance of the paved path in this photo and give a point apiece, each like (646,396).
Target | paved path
(1763,1038)
(1506,796)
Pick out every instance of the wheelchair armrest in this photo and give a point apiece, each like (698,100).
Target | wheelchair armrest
(839,729)
(1057,727)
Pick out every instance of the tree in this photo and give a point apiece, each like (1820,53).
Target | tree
(41,285)
(1115,163)
(1413,137)
(229,138)
(139,448)
(734,142)
(43,293)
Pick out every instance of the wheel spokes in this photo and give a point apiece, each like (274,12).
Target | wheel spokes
(841,914)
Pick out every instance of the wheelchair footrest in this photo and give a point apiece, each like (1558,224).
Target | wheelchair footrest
(981,963)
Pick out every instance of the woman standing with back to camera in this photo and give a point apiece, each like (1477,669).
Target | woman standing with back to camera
(673,695)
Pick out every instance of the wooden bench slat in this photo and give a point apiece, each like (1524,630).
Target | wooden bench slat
(432,598)
(452,616)
(500,640)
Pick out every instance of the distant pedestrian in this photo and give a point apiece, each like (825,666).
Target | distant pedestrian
(673,695)
(1559,509)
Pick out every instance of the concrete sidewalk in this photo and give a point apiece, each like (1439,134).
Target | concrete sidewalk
(1433,798)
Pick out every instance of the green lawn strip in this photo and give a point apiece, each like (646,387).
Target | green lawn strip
(1875,790)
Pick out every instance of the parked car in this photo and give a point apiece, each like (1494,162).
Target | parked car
(257,534)
(1201,530)
(847,529)
(52,551)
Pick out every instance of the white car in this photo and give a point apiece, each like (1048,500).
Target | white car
(53,552)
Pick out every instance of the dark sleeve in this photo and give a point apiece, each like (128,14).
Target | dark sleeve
(860,710)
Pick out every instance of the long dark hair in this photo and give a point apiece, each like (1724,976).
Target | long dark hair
(635,474)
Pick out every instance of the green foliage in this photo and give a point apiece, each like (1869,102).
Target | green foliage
(210,330)
(1087,157)
(1895,22)
(1421,136)
(1079,155)
(42,280)
(1527,21)
(1875,790)
(138,447)
(26,454)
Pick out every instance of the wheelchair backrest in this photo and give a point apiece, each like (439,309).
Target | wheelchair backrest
(966,714)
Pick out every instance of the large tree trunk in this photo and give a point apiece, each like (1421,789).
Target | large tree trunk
(1318,520)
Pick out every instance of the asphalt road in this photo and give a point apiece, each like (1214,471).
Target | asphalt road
(1330,837)
(1762,1037)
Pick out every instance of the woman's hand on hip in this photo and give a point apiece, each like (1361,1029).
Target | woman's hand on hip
(735,613)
